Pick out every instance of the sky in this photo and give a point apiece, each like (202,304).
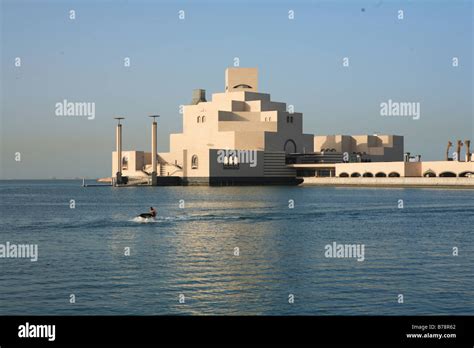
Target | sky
(300,62)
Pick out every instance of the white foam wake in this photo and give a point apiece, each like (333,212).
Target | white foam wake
(142,220)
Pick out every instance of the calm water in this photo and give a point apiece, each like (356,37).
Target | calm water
(190,251)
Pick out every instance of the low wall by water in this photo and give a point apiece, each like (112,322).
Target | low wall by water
(402,181)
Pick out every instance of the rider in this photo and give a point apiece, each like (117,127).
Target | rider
(152,211)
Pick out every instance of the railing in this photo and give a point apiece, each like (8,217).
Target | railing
(317,157)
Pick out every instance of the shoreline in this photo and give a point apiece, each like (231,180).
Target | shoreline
(401,182)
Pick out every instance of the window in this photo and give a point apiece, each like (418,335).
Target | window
(447,175)
(194,162)
(290,146)
(242,86)
(231,162)
(198,119)
(203,119)
(125,163)
(466,175)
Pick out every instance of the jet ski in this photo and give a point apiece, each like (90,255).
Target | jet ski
(146,215)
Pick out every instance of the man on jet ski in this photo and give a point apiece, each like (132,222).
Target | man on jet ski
(151,214)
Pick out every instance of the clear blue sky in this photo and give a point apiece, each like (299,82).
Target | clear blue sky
(300,62)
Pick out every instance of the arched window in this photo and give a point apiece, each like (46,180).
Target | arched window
(429,174)
(199,119)
(447,175)
(368,175)
(266,119)
(394,175)
(231,162)
(343,175)
(194,162)
(203,119)
(355,175)
(290,146)
(124,162)
(380,175)
(243,86)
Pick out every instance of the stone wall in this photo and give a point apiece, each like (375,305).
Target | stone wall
(428,182)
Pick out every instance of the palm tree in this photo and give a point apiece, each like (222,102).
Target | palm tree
(468,150)
(447,150)
(458,149)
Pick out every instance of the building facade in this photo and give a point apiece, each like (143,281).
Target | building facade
(242,137)
(256,132)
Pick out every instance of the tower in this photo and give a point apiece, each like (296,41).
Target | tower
(241,79)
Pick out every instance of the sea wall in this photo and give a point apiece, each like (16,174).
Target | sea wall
(401,182)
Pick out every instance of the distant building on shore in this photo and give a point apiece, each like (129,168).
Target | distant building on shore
(373,148)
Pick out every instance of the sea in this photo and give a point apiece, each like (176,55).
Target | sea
(235,250)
